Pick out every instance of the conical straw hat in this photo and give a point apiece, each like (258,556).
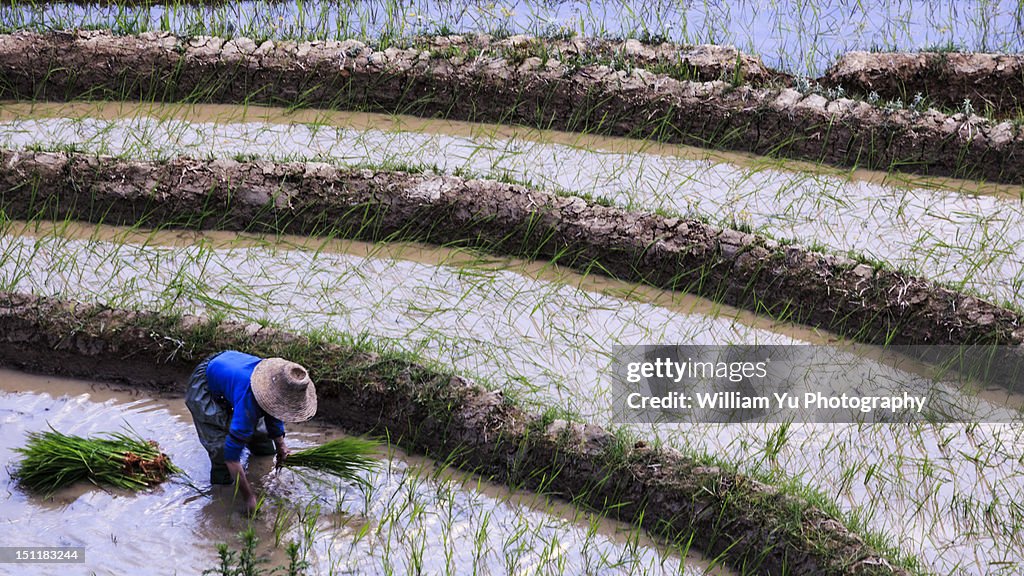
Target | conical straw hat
(284,390)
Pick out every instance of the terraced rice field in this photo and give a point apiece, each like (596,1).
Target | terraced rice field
(458,235)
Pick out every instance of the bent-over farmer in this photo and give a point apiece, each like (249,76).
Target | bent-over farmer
(240,400)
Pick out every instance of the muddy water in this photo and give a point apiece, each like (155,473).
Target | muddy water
(415,511)
(789,34)
(973,242)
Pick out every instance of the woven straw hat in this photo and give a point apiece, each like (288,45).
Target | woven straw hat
(283,389)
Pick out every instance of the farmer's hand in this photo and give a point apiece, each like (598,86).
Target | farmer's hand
(242,486)
(282,451)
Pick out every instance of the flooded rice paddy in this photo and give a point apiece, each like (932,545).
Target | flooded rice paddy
(945,492)
(414,514)
(793,35)
(948,493)
(973,242)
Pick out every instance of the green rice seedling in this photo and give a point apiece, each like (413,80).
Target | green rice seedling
(343,458)
(246,561)
(296,564)
(226,565)
(281,520)
(309,516)
(53,460)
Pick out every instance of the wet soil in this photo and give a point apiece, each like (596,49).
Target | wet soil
(901,224)
(548,342)
(705,62)
(993,82)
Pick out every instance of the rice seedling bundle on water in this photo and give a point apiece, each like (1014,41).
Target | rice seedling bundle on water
(344,458)
(53,460)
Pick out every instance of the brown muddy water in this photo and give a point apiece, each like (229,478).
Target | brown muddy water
(946,492)
(968,235)
(415,513)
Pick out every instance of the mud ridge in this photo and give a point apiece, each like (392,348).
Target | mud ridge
(544,92)
(753,525)
(787,282)
(702,62)
(993,82)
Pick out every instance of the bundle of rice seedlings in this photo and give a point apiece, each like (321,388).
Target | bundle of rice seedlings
(53,460)
(344,458)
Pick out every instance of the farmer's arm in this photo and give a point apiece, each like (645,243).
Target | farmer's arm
(243,424)
(239,479)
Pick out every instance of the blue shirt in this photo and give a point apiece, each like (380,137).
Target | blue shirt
(228,375)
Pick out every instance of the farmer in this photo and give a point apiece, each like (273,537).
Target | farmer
(239,400)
